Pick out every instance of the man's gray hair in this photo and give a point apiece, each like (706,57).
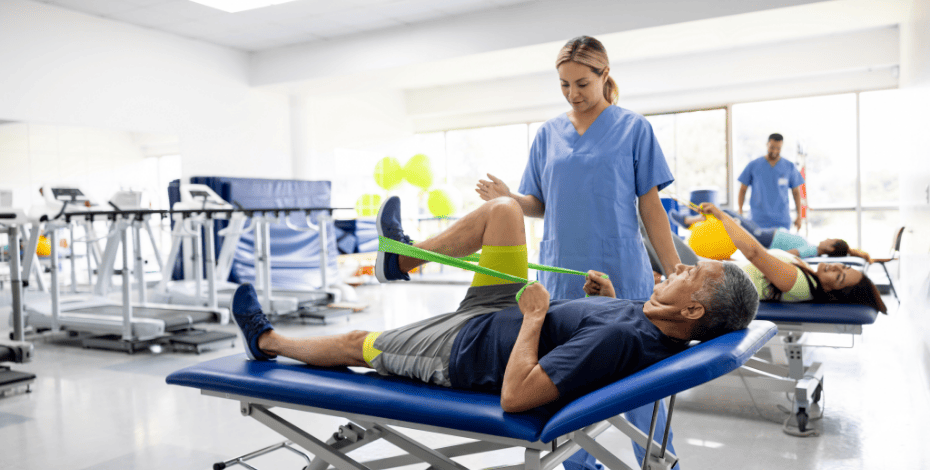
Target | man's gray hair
(730,303)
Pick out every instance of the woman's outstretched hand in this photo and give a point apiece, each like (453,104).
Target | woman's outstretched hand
(708,208)
(492,189)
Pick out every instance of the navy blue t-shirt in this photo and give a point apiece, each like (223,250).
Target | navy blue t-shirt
(584,345)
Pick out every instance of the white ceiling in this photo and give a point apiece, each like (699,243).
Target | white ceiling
(297,22)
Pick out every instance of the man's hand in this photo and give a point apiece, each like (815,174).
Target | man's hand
(534,302)
(492,189)
(597,284)
(797,222)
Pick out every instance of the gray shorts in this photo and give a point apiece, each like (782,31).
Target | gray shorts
(421,350)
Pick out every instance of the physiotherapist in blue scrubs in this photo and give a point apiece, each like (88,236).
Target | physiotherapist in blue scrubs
(771,177)
(587,171)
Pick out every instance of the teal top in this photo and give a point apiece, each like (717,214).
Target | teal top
(783,240)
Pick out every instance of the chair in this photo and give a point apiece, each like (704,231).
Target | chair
(895,251)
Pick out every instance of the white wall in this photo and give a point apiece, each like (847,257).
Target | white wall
(529,23)
(62,67)
(811,66)
(356,121)
(915,183)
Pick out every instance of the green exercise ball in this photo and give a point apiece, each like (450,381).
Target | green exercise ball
(388,173)
(367,205)
(418,171)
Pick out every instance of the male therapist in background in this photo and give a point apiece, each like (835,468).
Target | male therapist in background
(771,177)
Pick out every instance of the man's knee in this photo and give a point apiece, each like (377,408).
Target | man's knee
(506,207)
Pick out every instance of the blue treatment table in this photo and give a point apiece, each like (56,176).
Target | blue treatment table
(794,320)
(376,405)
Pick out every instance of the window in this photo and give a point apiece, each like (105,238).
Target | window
(695,147)
(472,153)
(820,135)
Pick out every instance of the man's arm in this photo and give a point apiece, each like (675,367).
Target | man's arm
(741,198)
(797,204)
(526,384)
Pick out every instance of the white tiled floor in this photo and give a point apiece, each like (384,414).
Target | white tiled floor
(100,410)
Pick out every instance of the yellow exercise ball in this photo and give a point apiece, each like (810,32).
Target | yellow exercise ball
(418,171)
(45,247)
(443,202)
(709,239)
(388,173)
(367,205)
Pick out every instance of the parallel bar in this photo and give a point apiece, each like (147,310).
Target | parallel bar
(56,288)
(127,300)
(210,260)
(73,260)
(139,266)
(16,284)
(196,250)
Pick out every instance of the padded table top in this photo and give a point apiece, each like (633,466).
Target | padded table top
(367,393)
(805,312)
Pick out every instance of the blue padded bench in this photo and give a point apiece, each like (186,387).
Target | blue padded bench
(374,405)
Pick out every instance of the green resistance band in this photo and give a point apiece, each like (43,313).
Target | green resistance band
(393,246)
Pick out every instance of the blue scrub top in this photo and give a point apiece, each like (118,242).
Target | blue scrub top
(589,185)
(768,203)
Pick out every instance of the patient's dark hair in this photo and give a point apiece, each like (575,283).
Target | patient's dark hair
(730,303)
(776,137)
(862,293)
(840,248)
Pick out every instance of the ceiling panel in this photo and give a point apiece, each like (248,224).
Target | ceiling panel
(147,17)
(297,22)
(185,9)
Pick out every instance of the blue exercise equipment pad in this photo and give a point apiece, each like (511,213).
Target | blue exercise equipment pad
(374,404)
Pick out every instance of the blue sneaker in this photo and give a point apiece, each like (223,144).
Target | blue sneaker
(248,315)
(387,266)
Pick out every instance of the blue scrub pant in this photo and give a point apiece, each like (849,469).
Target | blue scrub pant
(641,418)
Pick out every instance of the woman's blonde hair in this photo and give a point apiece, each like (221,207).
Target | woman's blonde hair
(586,50)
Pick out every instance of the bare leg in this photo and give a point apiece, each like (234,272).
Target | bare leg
(498,222)
(322,351)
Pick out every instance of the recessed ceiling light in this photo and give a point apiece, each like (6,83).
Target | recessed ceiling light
(233,6)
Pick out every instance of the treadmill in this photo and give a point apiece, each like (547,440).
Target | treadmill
(15,351)
(122,326)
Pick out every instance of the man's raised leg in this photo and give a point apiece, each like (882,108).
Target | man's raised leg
(498,222)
